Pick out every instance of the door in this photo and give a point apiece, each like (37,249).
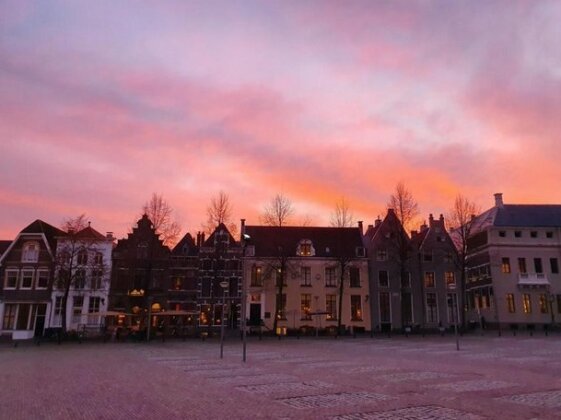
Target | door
(40,319)
(255,314)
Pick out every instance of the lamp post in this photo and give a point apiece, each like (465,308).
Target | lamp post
(149,300)
(455,311)
(224,285)
(244,239)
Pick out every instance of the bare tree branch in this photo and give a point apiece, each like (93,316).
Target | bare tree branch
(278,211)
(342,216)
(404,204)
(219,211)
(160,213)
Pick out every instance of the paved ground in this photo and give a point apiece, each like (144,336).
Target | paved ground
(362,378)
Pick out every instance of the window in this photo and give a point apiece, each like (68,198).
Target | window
(82,258)
(77,304)
(549,234)
(80,279)
(281,306)
(306,276)
(9,316)
(11,279)
(256,276)
(330,276)
(359,252)
(554,265)
(23,320)
(93,308)
(449,278)
(427,256)
(533,234)
(331,307)
(559,304)
(383,278)
(544,309)
(432,308)
(96,279)
(354,276)
(505,265)
(502,233)
(510,303)
(26,279)
(517,234)
(527,303)
(305,306)
(98,258)
(522,266)
(538,265)
(382,255)
(356,308)
(58,310)
(178,283)
(204,315)
(42,279)
(429,279)
(30,252)
(305,248)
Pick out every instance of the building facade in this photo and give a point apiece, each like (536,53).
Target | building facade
(513,278)
(27,271)
(303,278)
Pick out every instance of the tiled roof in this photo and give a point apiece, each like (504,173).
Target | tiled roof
(327,241)
(51,232)
(90,233)
(528,215)
(186,246)
(210,240)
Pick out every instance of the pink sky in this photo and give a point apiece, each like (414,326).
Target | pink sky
(103,103)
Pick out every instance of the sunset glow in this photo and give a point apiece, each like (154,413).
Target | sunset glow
(103,103)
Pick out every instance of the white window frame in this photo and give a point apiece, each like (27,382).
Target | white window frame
(8,271)
(27,270)
(39,272)
(26,253)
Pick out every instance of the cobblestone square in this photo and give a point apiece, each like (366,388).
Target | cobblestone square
(323,378)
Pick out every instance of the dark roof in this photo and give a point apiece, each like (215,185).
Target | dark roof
(51,232)
(417,240)
(4,245)
(528,215)
(221,227)
(186,246)
(327,241)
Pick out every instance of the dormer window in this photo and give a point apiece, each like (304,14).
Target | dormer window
(305,248)
(30,252)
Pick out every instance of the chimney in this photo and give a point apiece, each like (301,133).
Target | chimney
(499,199)
(441,218)
(360,226)
(198,243)
(378,221)
(431,220)
(109,236)
(202,238)
(242,229)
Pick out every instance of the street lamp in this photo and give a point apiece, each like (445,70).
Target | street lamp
(224,285)
(244,239)
(149,300)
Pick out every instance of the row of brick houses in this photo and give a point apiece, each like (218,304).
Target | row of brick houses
(295,278)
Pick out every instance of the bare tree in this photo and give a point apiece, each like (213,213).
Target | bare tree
(460,219)
(404,204)
(342,216)
(220,211)
(75,257)
(278,211)
(160,213)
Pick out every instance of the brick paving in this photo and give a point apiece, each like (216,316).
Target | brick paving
(363,378)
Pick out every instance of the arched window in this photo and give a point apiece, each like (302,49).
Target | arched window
(30,252)
(82,258)
(98,258)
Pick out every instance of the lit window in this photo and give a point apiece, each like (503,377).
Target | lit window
(305,306)
(505,266)
(527,303)
(510,303)
(429,279)
(449,278)
(256,276)
(522,265)
(544,309)
(331,307)
(305,248)
(356,308)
